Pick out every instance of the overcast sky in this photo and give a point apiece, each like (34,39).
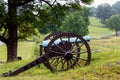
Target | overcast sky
(98,2)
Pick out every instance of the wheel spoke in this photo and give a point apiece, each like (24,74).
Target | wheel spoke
(55,52)
(49,38)
(59,47)
(76,53)
(71,62)
(67,64)
(76,62)
(63,64)
(72,47)
(74,44)
(76,39)
(61,39)
(77,48)
(80,58)
(58,63)
(62,42)
(54,61)
(68,43)
(55,57)
(68,38)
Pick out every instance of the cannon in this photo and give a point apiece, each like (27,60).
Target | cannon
(60,51)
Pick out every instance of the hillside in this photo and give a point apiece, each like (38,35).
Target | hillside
(96,29)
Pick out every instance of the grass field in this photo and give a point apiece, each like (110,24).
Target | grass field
(97,30)
(105,64)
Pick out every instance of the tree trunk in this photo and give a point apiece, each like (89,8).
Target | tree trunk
(12,32)
(12,45)
(116,32)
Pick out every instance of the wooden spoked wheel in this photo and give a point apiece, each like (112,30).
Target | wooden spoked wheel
(66,54)
(43,50)
(48,37)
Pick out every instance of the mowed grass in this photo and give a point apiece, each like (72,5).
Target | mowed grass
(25,50)
(3,52)
(97,30)
(105,64)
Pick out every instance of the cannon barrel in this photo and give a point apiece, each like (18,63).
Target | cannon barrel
(72,40)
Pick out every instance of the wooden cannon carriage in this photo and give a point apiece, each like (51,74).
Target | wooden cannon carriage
(59,52)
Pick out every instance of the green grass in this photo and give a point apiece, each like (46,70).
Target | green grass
(104,64)
(25,50)
(97,30)
(3,52)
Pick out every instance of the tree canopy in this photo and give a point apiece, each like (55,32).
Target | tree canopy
(104,11)
(116,7)
(75,23)
(113,23)
(20,17)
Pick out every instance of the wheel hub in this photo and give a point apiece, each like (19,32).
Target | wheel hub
(68,56)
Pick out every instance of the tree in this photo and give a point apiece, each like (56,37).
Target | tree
(85,13)
(103,11)
(93,11)
(116,7)
(11,22)
(113,23)
(75,23)
(53,24)
(53,21)
(9,28)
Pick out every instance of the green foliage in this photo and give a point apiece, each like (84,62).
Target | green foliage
(93,11)
(56,15)
(76,6)
(47,19)
(87,1)
(87,11)
(18,23)
(97,30)
(75,23)
(51,18)
(2,7)
(104,11)
(2,17)
(113,23)
(116,7)
(26,22)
